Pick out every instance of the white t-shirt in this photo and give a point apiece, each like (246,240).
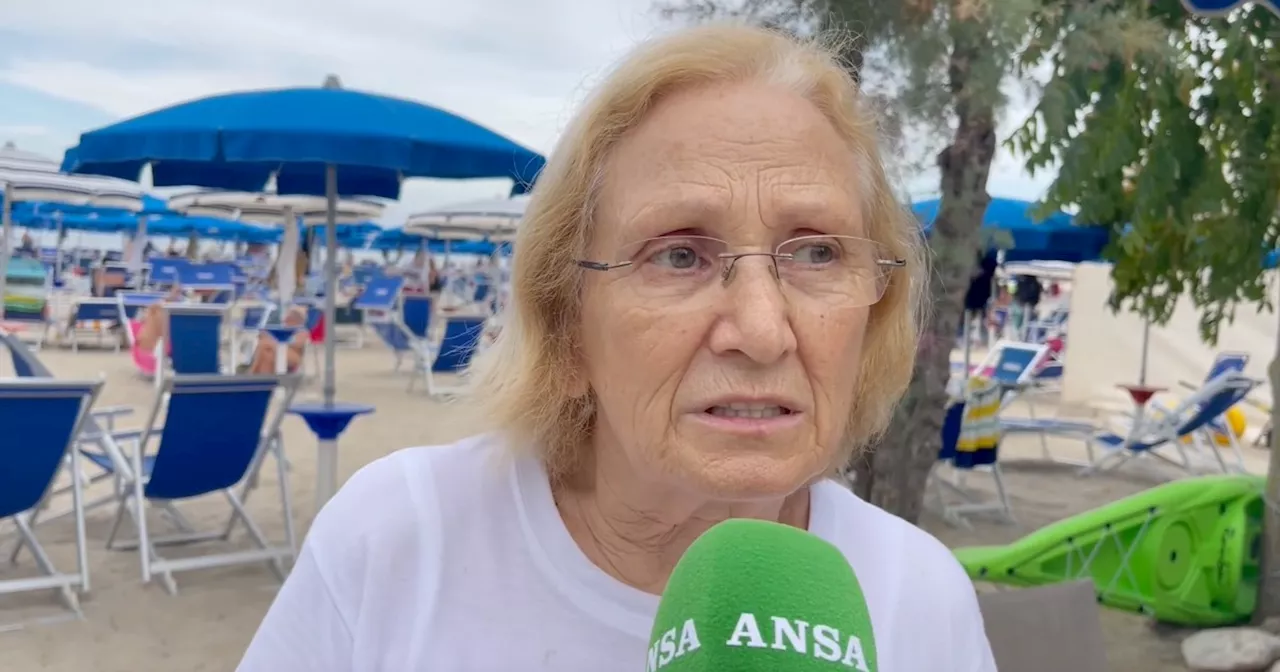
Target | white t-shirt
(455,559)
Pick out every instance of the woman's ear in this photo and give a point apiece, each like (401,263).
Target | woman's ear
(576,381)
(579,380)
(578,386)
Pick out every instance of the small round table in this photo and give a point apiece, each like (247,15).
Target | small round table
(1141,394)
(283,335)
(327,422)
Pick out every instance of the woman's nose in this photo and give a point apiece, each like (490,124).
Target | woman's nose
(753,319)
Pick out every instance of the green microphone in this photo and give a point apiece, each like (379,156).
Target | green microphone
(754,596)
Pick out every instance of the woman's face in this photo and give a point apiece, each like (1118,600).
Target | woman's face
(738,389)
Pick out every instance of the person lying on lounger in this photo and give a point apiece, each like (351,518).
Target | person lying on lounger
(153,322)
(264,356)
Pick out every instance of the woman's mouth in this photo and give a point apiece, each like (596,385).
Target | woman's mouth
(749,419)
(749,411)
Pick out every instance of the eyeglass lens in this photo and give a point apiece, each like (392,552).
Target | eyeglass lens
(841,269)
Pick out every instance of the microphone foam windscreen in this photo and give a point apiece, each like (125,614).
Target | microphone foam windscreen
(755,596)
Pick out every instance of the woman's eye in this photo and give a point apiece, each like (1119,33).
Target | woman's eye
(680,257)
(816,253)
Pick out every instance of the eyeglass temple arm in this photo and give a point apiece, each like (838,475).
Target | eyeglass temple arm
(891,262)
(600,265)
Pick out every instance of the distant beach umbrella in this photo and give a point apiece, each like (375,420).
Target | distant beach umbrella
(26,177)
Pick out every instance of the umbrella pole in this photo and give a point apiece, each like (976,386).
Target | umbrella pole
(1146,340)
(137,247)
(6,224)
(424,273)
(57,247)
(330,279)
(287,261)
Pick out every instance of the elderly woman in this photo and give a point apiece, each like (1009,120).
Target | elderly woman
(715,303)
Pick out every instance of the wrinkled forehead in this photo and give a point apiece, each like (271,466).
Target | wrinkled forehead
(746,161)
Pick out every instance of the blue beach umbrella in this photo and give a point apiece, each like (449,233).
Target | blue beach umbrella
(393,239)
(239,141)
(311,141)
(95,222)
(205,227)
(307,141)
(351,232)
(1054,238)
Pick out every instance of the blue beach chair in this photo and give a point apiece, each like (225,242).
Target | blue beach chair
(406,330)
(101,419)
(1226,363)
(457,347)
(41,419)
(211,436)
(131,303)
(99,315)
(95,439)
(1180,428)
(218,278)
(380,310)
(196,332)
(165,272)
(1223,364)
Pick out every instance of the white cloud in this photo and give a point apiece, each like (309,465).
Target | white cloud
(516,66)
(126,93)
(23,131)
(509,64)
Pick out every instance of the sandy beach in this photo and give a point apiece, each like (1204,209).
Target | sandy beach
(129,626)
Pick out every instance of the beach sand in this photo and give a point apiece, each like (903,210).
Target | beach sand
(129,626)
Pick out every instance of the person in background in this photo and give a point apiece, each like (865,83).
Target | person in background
(153,324)
(302,265)
(348,266)
(717,308)
(259,265)
(978,296)
(1026,296)
(1057,299)
(27,248)
(436,280)
(998,314)
(264,355)
(417,271)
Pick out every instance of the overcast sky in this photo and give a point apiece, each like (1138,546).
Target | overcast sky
(516,66)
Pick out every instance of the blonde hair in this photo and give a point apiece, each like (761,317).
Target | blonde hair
(528,383)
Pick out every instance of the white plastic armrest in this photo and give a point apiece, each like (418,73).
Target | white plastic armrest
(121,435)
(112,411)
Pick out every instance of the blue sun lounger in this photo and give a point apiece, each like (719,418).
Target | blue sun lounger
(211,435)
(41,420)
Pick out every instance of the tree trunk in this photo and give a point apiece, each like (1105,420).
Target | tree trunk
(894,475)
(1269,581)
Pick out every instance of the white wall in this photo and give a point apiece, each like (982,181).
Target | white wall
(1104,349)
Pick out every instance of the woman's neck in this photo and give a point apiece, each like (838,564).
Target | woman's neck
(636,530)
